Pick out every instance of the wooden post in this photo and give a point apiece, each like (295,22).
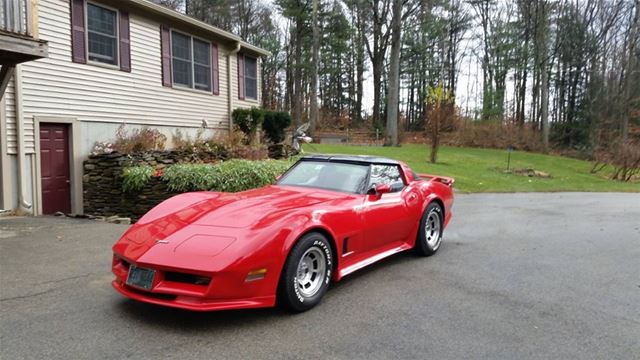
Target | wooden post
(5,75)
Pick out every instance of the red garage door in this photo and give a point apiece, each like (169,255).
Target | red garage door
(54,162)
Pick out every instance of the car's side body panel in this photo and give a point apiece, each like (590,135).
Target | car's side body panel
(227,237)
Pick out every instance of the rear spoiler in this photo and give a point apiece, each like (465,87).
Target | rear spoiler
(443,179)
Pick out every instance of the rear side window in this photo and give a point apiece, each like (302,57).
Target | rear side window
(386,174)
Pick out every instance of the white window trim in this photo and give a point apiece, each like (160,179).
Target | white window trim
(245,79)
(86,36)
(193,75)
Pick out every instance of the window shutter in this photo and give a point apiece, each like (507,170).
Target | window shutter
(215,73)
(125,43)
(241,93)
(165,49)
(78,42)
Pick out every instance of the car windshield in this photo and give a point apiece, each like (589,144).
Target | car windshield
(344,177)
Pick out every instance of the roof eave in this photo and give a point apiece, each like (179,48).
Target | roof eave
(163,11)
(254,49)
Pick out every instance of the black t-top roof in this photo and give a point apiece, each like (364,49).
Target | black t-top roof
(365,159)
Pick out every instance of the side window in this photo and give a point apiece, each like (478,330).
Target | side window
(182,63)
(102,34)
(386,174)
(191,61)
(251,77)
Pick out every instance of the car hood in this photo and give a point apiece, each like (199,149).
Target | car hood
(202,225)
(241,210)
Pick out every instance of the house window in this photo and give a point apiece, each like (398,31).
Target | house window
(102,34)
(191,60)
(251,77)
(201,65)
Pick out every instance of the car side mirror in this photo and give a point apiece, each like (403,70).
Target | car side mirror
(383,189)
(376,191)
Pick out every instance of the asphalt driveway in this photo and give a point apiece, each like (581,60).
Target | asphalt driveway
(540,276)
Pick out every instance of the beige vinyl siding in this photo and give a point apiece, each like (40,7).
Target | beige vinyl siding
(56,86)
(11,131)
(235,101)
(10,114)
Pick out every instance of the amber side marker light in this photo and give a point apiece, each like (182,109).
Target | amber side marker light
(256,275)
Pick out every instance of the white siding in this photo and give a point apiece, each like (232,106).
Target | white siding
(10,104)
(10,113)
(56,86)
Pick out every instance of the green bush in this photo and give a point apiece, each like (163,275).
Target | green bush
(136,177)
(228,176)
(274,125)
(247,120)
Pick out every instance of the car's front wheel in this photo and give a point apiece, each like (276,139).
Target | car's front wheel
(307,273)
(430,233)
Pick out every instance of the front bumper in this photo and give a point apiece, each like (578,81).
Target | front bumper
(225,291)
(190,302)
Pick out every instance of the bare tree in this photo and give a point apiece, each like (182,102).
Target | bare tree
(632,43)
(313,118)
(391,137)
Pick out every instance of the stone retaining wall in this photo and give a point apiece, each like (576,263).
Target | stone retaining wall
(102,182)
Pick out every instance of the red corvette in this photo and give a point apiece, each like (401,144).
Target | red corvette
(325,218)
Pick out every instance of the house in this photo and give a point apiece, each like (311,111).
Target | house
(92,65)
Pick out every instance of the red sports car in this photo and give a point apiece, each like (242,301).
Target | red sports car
(325,218)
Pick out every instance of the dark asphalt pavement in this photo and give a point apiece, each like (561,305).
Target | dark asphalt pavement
(519,276)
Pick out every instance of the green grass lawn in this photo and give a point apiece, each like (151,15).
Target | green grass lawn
(480,170)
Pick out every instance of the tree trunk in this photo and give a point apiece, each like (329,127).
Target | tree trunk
(297,75)
(544,106)
(626,94)
(391,138)
(544,76)
(313,119)
(360,54)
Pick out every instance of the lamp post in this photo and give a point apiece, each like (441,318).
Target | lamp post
(509,150)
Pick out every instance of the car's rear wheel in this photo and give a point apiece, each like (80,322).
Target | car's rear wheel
(430,233)
(307,273)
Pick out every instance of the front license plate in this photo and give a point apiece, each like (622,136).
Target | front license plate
(140,277)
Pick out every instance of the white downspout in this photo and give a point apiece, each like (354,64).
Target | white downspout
(22,202)
(229,93)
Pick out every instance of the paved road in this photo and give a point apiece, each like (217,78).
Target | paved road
(540,276)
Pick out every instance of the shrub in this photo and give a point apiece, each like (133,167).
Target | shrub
(136,177)
(236,147)
(190,177)
(228,176)
(440,109)
(274,125)
(248,120)
(249,152)
(143,139)
(199,145)
(496,135)
(624,157)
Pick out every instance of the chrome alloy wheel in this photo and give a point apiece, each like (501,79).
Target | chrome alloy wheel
(311,272)
(432,229)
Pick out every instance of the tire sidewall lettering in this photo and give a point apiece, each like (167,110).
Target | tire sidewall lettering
(327,253)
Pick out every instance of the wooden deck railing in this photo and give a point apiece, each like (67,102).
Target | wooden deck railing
(15,17)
